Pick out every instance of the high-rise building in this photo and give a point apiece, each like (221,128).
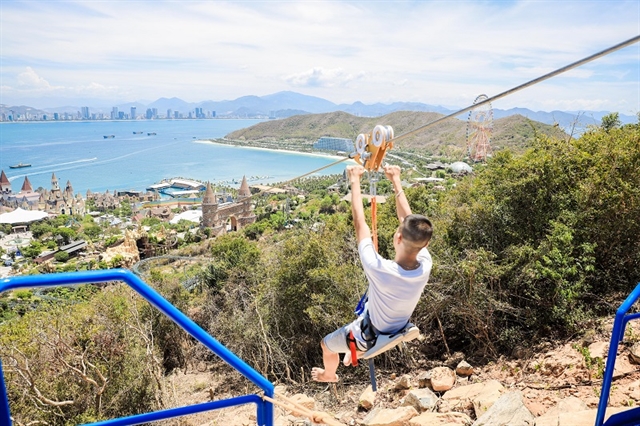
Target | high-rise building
(133,113)
(334,144)
(85,113)
(114,113)
(169,113)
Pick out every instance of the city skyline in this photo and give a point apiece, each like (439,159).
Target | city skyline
(441,53)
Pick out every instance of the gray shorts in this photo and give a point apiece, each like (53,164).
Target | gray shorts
(337,341)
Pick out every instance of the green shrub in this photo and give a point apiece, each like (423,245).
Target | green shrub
(84,357)
(61,256)
(533,244)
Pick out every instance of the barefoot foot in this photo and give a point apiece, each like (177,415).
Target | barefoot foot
(319,375)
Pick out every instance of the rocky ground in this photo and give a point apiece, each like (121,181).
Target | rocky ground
(558,385)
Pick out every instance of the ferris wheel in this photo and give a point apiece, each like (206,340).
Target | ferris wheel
(479,129)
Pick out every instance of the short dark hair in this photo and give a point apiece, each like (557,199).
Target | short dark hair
(417,230)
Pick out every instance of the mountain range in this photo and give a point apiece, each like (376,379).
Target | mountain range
(286,104)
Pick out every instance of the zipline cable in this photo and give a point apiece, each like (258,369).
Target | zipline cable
(304,175)
(525,85)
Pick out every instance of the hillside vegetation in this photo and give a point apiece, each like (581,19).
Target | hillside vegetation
(531,247)
(444,138)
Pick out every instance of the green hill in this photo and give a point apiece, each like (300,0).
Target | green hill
(447,137)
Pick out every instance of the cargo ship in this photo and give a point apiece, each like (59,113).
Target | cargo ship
(19,166)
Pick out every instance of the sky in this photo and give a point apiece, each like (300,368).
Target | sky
(100,53)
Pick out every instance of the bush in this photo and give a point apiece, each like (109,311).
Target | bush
(532,245)
(61,256)
(86,358)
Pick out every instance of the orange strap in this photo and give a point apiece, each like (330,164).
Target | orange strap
(353,349)
(374,222)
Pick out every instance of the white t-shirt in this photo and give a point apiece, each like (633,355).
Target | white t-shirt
(393,291)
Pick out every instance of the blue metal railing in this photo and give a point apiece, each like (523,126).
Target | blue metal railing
(632,416)
(264,408)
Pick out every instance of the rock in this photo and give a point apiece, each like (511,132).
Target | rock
(478,396)
(634,353)
(535,407)
(623,366)
(345,417)
(367,398)
(127,251)
(577,418)
(303,400)
(634,390)
(440,419)
(421,399)
(403,382)
(508,410)
(390,417)
(424,380)
(598,350)
(442,379)
(464,369)
(454,359)
(570,404)
(557,362)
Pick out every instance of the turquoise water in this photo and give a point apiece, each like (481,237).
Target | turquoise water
(79,153)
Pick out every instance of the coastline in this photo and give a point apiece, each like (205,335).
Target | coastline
(288,151)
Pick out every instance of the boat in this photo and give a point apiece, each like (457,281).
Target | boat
(138,133)
(19,166)
(109,136)
(151,134)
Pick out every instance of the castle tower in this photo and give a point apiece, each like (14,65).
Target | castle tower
(54,183)
(26,186)
(244,197)
(209,208)
(244,190)
(68,192)
(5,185)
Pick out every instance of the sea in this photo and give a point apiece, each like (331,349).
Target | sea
(142,153)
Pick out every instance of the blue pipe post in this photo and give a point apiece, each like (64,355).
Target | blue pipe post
(5,414)
(617,335)
(180,411)
(92,277)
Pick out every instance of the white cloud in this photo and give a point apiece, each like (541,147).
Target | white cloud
(426,51)
(319,77)
(30,80)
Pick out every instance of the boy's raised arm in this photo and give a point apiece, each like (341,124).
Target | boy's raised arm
(402,205)
(354,173)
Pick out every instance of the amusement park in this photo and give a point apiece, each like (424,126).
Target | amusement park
(476,285)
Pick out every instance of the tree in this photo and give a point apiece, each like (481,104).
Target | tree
(611,121)
(88,361)
(67,234)
(32,250)
(61,256)
(40,229)
(532,244)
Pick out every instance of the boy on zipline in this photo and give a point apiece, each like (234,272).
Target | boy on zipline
(394,286)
